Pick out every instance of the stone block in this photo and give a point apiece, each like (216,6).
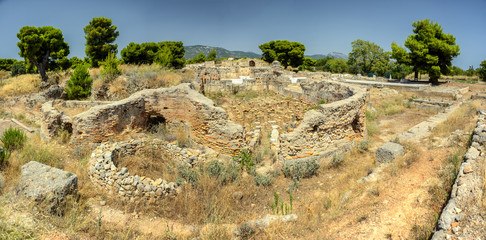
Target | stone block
(47,185)
(388,152)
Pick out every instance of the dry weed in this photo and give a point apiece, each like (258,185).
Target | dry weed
(151,161)
(459,119)
(21,85)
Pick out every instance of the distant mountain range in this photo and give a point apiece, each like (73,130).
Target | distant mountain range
(192,51)
(331,54)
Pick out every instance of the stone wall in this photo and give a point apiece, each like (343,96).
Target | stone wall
(208,124)
(343,119)
(54,120)
(463,216)
(105,172)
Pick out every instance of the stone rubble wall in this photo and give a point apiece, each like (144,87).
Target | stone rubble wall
(463,217)
(343,119)
(54,120)
(208,124)
(103,171)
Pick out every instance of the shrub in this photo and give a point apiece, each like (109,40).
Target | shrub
(246,161)
(13,139)
(279,207)
(189,174)
(214,168)
(110,69)
(18,69)
(298,169)
(337,160)
(263,180)
(225,173)
(79,86)
(364,145)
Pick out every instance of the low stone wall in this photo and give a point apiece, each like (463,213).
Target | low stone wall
(180,104)
(54,120)
(333,121)
(463,217)
(103,171)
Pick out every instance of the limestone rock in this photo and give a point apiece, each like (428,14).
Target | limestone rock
(388,152)
(47,185)
(472,153)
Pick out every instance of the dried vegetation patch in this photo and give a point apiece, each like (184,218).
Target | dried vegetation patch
(20,85)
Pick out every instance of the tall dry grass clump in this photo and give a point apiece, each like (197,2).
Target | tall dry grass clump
(136,78)
(21,85)
(457,120)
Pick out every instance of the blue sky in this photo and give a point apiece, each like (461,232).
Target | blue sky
(322,26)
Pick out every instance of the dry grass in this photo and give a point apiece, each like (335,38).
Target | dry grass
(151,161)
(71,112)
(4,74)
(135,78)
(457,120)
(20,85)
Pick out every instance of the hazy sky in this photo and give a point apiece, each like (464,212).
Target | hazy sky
(322,26)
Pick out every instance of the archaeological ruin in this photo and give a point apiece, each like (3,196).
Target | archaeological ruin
(310,118)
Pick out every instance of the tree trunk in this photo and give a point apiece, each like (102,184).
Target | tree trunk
(416,75)
(434,81)
(41,67)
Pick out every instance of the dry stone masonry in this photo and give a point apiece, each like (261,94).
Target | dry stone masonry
(463,216)
(103,170)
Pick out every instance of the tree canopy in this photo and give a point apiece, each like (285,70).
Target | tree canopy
(212,55)
(201,57)
(100,34)
(430,50)
(482,70)
(367,57)
(286,52)
(168,53)
(42,46)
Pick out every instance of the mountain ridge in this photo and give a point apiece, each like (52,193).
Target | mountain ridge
(193,50)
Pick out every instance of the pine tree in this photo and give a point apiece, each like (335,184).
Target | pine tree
(79,86)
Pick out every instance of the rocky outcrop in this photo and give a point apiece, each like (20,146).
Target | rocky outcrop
(209,125)
(46,185)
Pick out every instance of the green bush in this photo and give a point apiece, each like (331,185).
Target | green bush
(282,208)
(301,168)
(18,69)
(263,180)
(337,160)
(13,139)
(364,145)
(246,161)
(225,173)
(79,86)
(189,174)
(110,68)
